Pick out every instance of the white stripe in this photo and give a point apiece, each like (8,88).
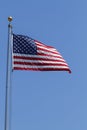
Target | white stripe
(49,53)
(48,49)
(30,66)
(38,61)
(38,56)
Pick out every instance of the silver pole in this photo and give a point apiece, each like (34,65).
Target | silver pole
(8,78)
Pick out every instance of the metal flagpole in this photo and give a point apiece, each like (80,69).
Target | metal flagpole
(8,78)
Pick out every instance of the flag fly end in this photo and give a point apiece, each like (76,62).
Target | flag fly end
(70,71)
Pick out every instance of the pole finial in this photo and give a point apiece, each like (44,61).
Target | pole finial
(9,18)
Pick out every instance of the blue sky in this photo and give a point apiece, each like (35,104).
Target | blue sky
(47,100)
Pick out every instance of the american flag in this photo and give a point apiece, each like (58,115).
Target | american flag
(30,54)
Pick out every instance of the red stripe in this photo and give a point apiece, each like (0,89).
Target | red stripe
(42,69)
(39,64)
(42,44)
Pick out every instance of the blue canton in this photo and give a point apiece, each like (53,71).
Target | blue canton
(24,45)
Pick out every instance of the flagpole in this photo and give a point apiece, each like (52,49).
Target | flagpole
(8,78)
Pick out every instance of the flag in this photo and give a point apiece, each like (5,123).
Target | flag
(30,54)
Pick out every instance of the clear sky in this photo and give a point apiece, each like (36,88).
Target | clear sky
(47,100)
